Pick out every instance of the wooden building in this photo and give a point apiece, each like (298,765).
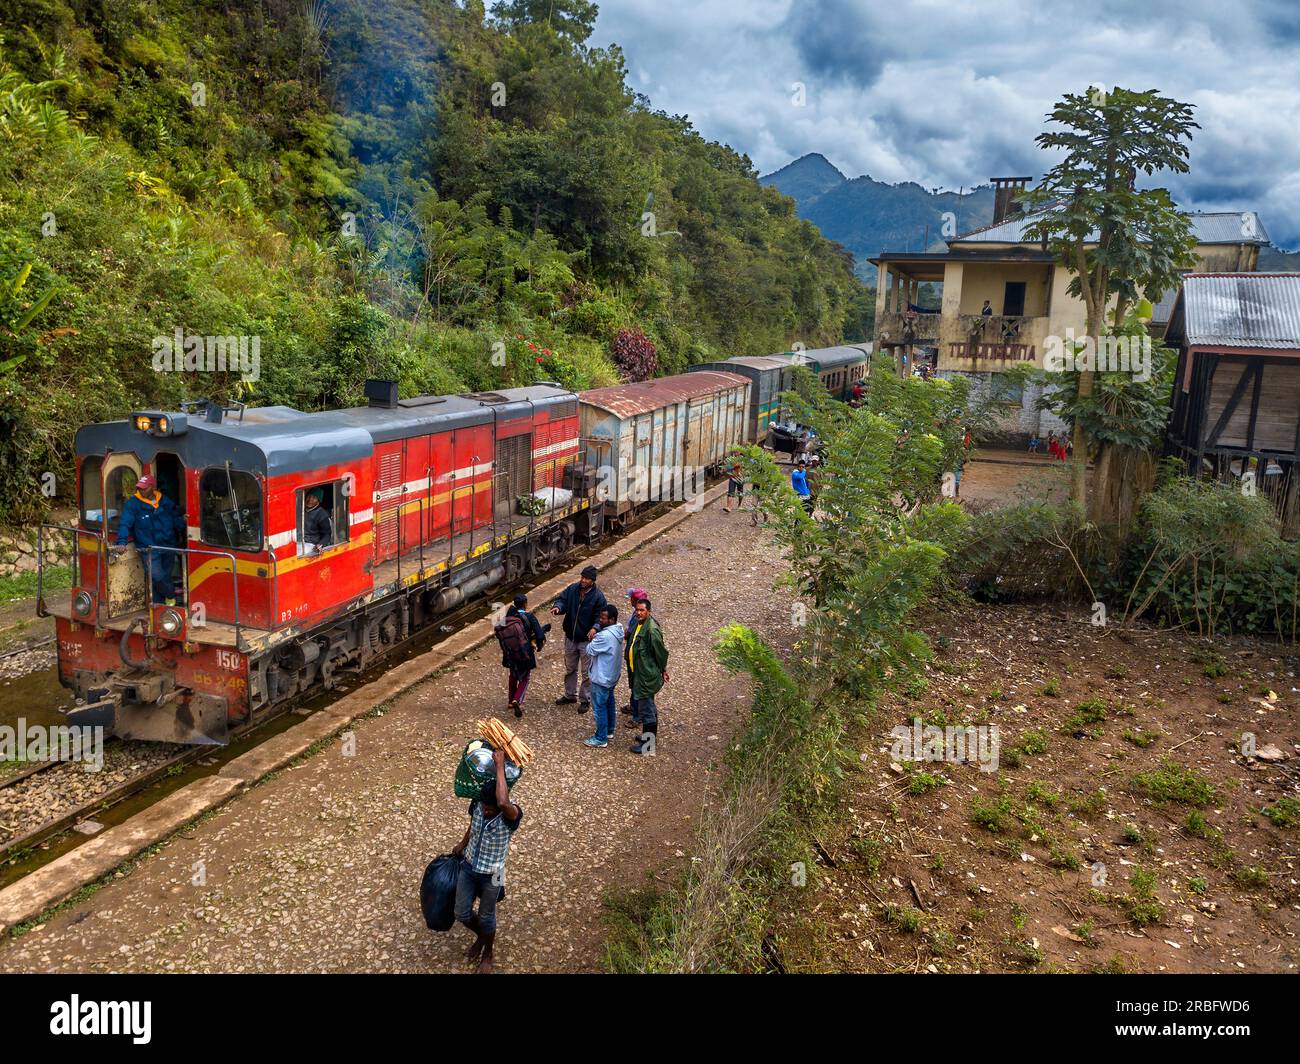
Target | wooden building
(1236,403)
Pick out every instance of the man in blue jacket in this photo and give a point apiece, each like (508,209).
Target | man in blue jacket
(152,520)
(606,653)
(580,606)
(799,481)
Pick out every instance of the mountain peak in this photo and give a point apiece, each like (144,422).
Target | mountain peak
(868,216)
(807,177)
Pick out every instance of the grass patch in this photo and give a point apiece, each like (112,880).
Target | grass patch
(1251,877)
(992,814)
(1088,715)
(1142,905)
(1033,741)
(1171,782)
(1140,737)
(23,585)
(905,918)
(1285,812)
(1042,794)
(1090,805)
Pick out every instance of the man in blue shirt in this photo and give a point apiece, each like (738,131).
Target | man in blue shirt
(605,649)
(152,520)
(799,481)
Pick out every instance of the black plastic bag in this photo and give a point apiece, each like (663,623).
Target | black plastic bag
(438,892)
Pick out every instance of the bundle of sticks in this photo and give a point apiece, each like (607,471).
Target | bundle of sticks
(502,738)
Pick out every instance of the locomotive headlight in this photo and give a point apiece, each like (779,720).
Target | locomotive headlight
(82,603)
(171,622)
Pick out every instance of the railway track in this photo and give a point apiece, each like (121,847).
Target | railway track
(16,850)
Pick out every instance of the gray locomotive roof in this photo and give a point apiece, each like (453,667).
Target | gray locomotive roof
(279,439)
(749,361)
(823,357)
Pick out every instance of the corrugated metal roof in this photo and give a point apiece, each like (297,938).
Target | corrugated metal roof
(1238,310)
(641,398)
(1163,309)
(1227,227)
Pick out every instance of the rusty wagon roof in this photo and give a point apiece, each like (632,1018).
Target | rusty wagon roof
(641,398)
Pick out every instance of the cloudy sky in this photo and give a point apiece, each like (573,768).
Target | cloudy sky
(949,93)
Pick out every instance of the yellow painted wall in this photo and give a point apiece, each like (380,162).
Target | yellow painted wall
(981,281)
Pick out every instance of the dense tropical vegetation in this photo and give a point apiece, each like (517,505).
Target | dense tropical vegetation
(454,197)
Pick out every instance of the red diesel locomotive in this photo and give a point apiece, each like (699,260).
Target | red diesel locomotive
(424,498)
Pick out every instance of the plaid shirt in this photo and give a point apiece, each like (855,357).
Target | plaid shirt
(495,834)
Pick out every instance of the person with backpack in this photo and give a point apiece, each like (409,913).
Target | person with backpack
(521,637)
(605,649)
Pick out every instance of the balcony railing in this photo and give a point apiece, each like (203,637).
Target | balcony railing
(993,352)
(994,328)
(909,327)
(997,337)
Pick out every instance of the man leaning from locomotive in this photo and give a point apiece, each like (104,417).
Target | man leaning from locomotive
(153,520)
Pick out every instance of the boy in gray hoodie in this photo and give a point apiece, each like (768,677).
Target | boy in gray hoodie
(605,649)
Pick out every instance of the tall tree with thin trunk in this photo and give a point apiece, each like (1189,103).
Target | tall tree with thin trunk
(1119,241)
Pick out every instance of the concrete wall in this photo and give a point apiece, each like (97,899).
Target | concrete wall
(1028,420)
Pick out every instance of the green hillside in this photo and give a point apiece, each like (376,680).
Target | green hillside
(406,188)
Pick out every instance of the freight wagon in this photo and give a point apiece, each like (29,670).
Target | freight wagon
(654,441)
(768,378)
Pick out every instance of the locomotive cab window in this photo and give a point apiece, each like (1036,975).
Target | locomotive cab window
(230,509)
(92,491)
(95,510)
(322,517)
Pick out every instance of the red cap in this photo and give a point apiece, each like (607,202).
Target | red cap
(146,483)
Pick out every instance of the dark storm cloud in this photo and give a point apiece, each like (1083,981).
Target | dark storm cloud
(838,39)
(949,94)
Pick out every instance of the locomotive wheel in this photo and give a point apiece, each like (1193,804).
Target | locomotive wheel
(515,563)
(539,558)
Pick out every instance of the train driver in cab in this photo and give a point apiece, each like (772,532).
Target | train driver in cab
(153,520)
(317,529)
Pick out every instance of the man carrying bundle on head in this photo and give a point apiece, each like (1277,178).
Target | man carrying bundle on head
(493,820)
